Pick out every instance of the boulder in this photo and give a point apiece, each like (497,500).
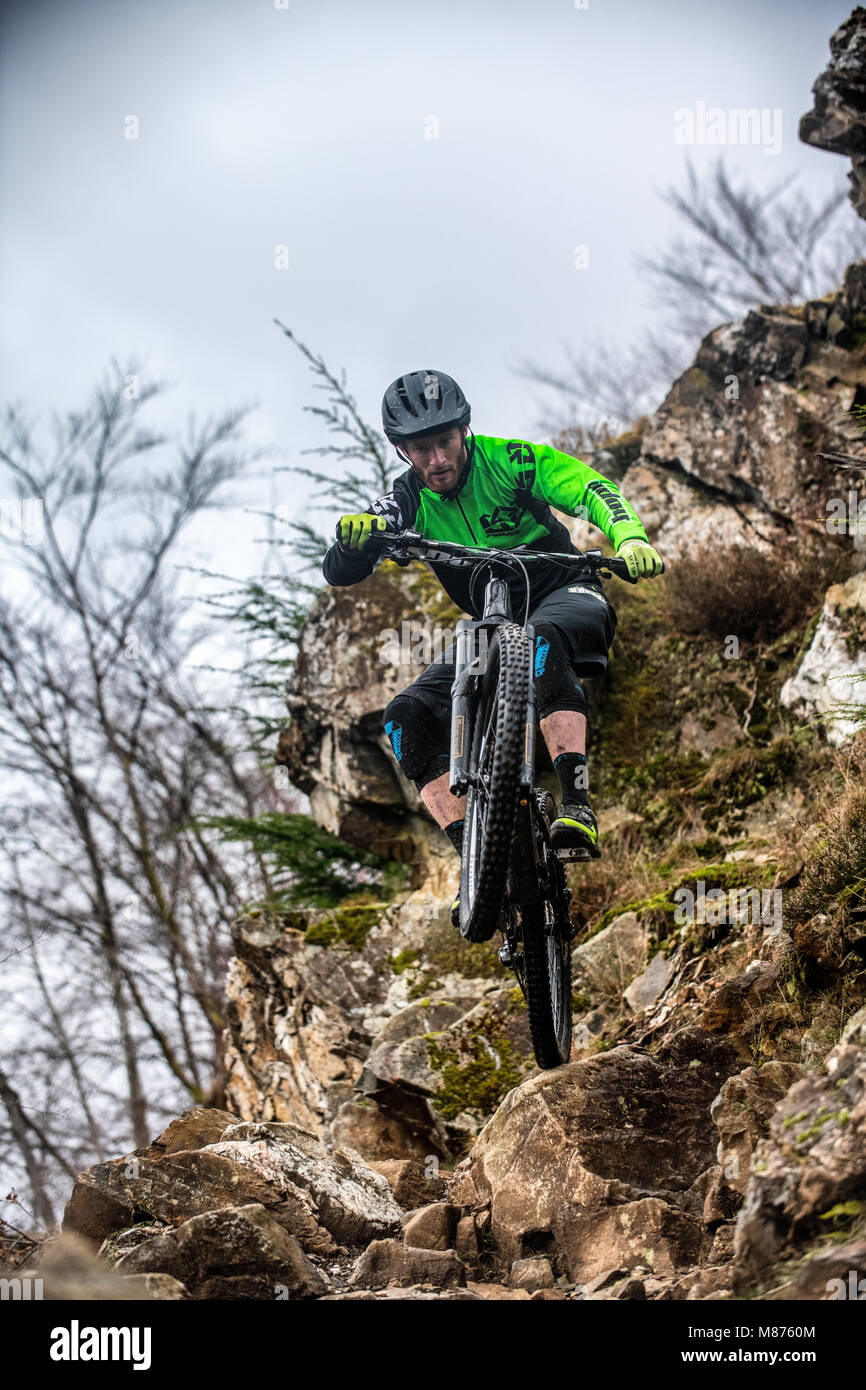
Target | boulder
(572,1144)
(433,1227)
(194,1129)
(741,1113)
(316,1194)
(534,1273)
(412,1183)
(239,1252)
(650,1233)
(498,1291)
(113,1196)
(391,1262)
(444,1084)
(647,989)
(823,680)
(466,1239)
(837,121)
(614,956)
(811,1163)
(748,1001)
(362,1124)
(350,1199)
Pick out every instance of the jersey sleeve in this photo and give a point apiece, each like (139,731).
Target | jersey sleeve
(573,487)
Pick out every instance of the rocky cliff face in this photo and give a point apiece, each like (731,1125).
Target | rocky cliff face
(837,122)
(387,1132)
(732,451)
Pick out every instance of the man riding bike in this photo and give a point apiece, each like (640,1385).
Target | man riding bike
(481,490)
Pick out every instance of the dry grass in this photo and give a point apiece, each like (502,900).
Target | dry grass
(749,593)
(833,878)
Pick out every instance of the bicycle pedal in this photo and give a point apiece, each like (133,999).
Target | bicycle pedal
(575,854)
(505,956)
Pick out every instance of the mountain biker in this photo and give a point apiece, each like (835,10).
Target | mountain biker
(481,490)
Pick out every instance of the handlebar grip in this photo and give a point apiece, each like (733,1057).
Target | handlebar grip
(619,568)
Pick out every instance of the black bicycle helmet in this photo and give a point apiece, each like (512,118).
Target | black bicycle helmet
(421,403)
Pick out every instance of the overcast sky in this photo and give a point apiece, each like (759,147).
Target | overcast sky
(309,127)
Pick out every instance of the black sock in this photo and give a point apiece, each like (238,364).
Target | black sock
(454,831)
(573,777)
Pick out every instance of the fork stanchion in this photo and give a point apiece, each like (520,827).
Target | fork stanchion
(461,705)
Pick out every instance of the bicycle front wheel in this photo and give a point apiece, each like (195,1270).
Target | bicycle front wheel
(498,746)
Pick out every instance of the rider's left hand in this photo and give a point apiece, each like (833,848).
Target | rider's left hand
(643,560)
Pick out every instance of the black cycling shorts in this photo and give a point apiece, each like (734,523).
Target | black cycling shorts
(575,627)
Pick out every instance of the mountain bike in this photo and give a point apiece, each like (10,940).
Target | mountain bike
(511,878)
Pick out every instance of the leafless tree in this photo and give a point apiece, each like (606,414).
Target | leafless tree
(117,902)
(741,247)
(746,246)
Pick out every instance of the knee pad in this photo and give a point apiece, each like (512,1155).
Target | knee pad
(556,685)
(418,738)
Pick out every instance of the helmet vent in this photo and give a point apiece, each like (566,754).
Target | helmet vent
(405,399)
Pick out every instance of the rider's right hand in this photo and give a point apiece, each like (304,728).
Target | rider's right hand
(353,532)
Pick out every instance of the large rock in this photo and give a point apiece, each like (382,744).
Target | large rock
(650,1234)
(114,1196)
(614,956)
(532,1274)
(837,122)
(433,1227)
(741,1113)
(335,749)
(350,1199)
(573,1145)
(193,1129)
(648,987)
(812,1161)
(413,1184)
(362,1125)
(391,1262)
(731,450)
(747,1005)
(443,1084)
(316,1194)
(240,1252)
(304,1017)
(824,680)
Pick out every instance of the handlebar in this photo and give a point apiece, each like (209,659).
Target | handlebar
(403,546)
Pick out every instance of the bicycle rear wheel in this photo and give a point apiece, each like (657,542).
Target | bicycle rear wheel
(498,744)
(546,933)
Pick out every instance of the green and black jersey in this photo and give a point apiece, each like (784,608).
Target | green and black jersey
(502,499)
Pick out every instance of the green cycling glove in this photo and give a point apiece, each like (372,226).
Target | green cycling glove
(353,532)
(643,560)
